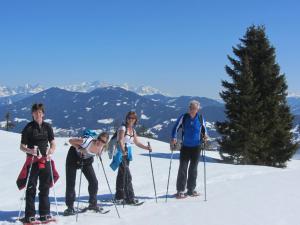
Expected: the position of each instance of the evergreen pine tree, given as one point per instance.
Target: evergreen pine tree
(259, 122)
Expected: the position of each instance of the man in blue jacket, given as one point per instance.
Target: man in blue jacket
(193, 134)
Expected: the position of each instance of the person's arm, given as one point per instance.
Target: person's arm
(76, 142)
(51, 140)
(24, 143)
(139, 144)
(175, 130)
(52, 148)
(25, 149)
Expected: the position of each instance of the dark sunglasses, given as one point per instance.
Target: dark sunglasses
(131, 118)
(104, 142)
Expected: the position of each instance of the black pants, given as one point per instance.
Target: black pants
(44, 176)
(124, 188)
(188, 155)
(73, 163)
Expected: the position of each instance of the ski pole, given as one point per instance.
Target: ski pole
(204, 170)
(169, 175)
(124, 179)
(26, 184)
(108, 185)
(53, 185)
(79, 190)
(152, 172)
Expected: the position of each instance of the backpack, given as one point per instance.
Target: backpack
(89, 133)
(113, 142)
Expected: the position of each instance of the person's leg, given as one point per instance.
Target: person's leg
(31, 191)
(193, 169)
(71, 169)
(120, 182)
(90, 175)
(129, 192)
(44, 185)
(182, 171)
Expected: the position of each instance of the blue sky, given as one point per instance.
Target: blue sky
(179, 47)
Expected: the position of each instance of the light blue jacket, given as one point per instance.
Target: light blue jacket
(118, 157)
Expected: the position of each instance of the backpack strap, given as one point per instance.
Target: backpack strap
(185, 116)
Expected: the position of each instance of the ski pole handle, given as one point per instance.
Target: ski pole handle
(149, 147)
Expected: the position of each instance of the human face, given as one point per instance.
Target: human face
(38, 116)
(131, 120)
(102, 141)
(193, 109)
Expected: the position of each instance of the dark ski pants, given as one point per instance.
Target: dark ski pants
(189, 158)
(73, 163)
(124, 188)
(44, 176)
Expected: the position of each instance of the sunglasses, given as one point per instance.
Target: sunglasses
(101, 140)
(131, 118)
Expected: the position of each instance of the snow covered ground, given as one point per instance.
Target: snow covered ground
(237, 195)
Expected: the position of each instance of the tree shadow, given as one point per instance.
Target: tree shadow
(176, 157)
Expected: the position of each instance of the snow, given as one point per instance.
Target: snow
(19, 120)
(171, 106)
(173, 120)
(144, 117)
(3, 123)
(118, 104)
(210, 125)
(91, 99)
(106, 121)
(237, 194)
(155, 100)
(88, 109)
(158, 127)
(105, 103)
(48, 121)
(27, 88)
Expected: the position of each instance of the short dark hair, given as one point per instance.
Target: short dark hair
(37, 106)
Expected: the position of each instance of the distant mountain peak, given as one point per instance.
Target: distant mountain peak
(23, 89)
(294, 94)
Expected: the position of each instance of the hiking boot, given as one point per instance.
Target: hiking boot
(94, 207)
(69, 211)
(180, 195)
(192, 193)
(132, 201)
(119, 201)
(46, 218)
(30, 219)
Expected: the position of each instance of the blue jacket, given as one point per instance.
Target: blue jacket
(117, 159)
(192, 130)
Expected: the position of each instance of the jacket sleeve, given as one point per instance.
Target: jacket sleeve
(176, 127)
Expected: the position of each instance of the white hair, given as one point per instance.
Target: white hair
(194, 103)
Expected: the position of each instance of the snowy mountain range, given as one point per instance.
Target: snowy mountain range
(105, 108)
(73, 108)
(29, 89)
